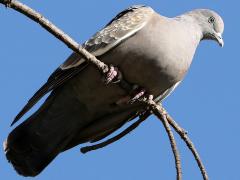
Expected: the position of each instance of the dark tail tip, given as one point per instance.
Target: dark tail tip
(19, 161)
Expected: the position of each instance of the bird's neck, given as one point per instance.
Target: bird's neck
(192, 28)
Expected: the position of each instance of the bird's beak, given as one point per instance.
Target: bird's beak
(219, 39)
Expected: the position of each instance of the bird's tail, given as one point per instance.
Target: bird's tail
(32, 145)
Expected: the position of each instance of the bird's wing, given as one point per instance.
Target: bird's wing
(123, 26)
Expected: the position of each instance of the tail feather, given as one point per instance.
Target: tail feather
(32, 145)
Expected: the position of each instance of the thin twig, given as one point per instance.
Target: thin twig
(161, 114)
(117, 137)
(54, 30)
(189, 143)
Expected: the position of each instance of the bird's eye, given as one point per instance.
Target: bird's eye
(211, 20)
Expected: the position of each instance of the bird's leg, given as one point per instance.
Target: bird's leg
(113, 75)
(137, 93)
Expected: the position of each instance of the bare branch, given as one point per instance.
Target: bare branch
(162, 115)
(54, 30)
(189, 143)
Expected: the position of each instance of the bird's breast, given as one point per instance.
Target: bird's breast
(156, 57)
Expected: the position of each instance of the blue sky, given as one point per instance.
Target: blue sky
(206, 104)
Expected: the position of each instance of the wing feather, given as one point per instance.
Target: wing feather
(54, 81)
(123, 26)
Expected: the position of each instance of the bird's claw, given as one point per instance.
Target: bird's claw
(113, 75)
(137, 95)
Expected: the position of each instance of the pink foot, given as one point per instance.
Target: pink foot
(113, 75)
(138, 94)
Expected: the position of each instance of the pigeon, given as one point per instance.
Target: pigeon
(151, 51)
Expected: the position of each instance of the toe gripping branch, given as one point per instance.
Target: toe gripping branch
(114, 75)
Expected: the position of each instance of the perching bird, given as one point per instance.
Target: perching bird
(151, 51)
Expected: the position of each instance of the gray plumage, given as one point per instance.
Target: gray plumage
(150, 50)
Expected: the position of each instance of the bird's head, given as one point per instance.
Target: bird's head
(211, 24)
